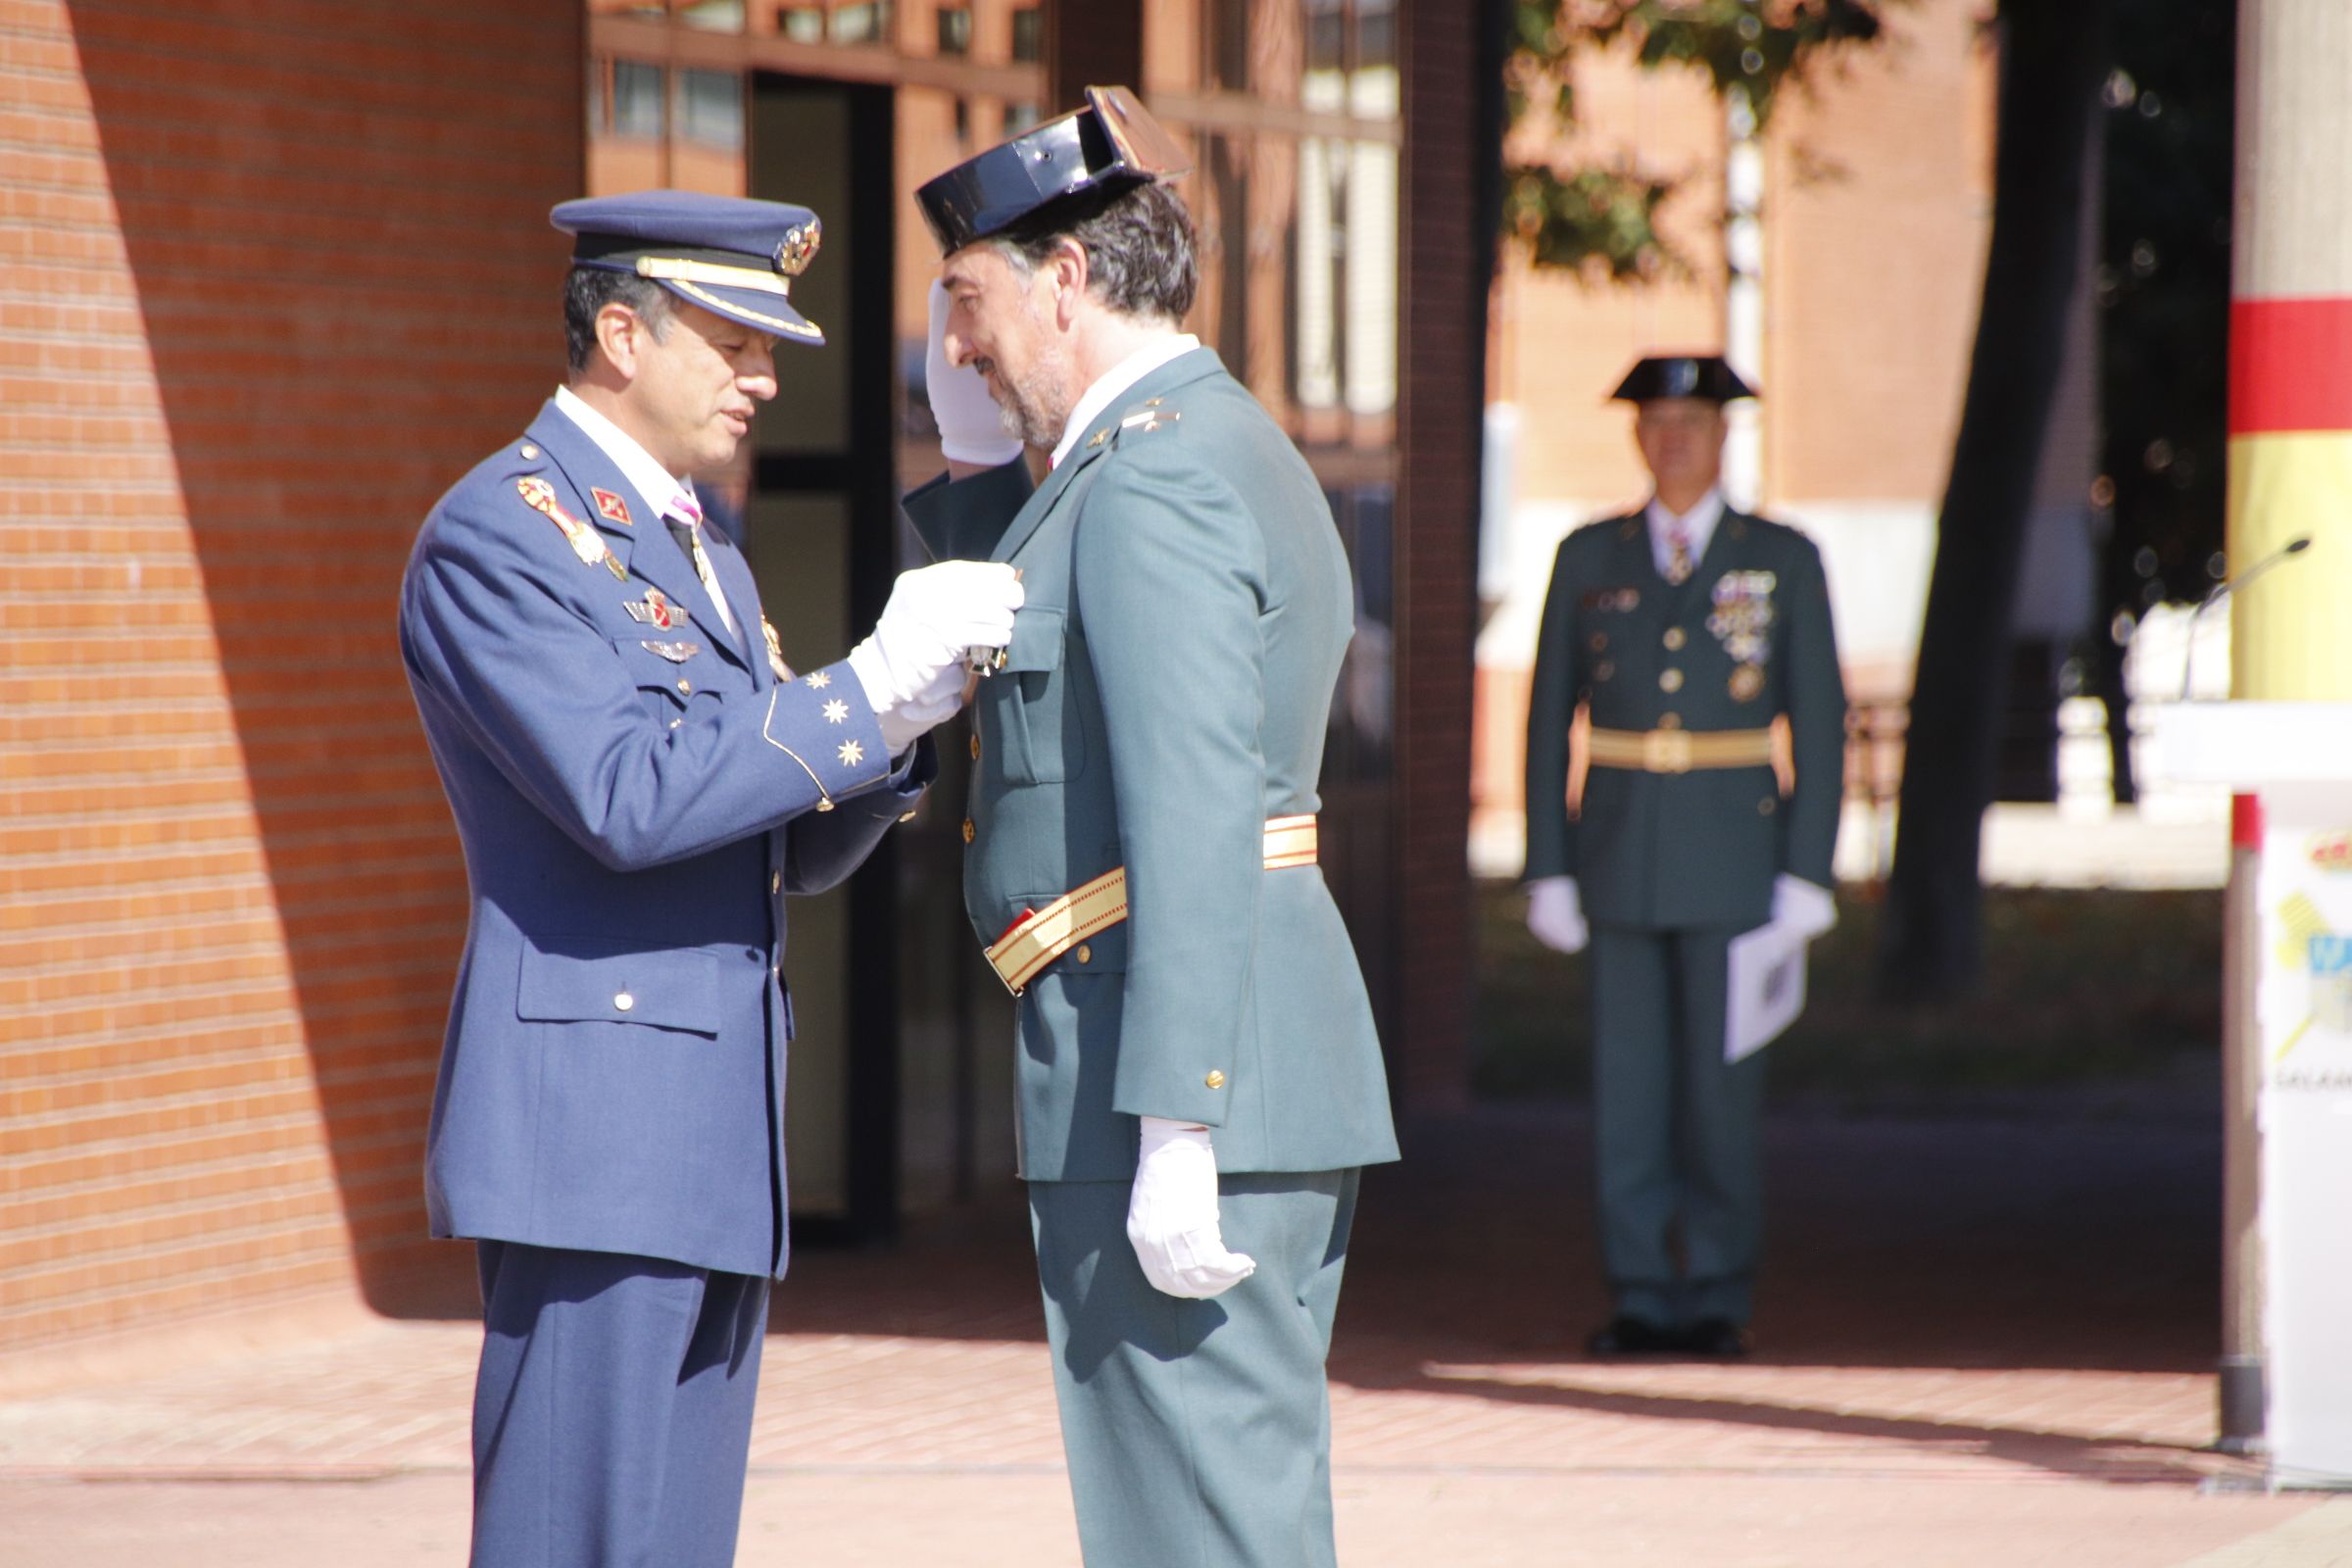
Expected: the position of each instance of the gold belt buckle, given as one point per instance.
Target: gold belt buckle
(1666, 750)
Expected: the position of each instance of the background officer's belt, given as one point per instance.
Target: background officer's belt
(1679, 751)
(1038, 939)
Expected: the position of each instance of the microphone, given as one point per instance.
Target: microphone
(2222, 590)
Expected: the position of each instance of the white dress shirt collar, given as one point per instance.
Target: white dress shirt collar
(1699, 526)
(654, 485)
(1117, 379)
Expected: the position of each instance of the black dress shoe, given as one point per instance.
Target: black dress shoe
(1631, 1336)
(1716, 1337)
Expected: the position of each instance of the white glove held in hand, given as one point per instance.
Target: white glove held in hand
(1555, 914)
(1803, 908)
(971, 429)
(934, 614)
(1172, 1213)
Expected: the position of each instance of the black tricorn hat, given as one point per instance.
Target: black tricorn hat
(1113, 144)
(1682, 375)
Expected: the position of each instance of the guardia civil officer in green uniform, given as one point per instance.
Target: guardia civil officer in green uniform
(1199, 1079)
(1684, 630)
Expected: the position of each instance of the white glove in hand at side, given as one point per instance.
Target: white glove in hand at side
(913, 665)
(971, 428)
(1555, 914)
(1172, 1213)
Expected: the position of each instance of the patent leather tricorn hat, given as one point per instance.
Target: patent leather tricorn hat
(1704, 376)
(1113, 144)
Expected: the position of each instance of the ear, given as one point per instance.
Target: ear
(1070, 273)
(619, 331)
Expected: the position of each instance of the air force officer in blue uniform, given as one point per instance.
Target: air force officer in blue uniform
(638, 779)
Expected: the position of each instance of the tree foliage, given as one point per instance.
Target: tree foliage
(1600, 221)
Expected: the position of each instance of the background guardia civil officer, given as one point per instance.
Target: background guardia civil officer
(1198, 1078)
(638, 781)
(1684, 630)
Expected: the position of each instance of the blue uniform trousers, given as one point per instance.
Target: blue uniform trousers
(1676, 1128)
(1199, 1433)
(613, 1413)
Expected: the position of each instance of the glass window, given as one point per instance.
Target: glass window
(954, 29)
(802, 24)
(1326, 35)
(861, 24)
(1375, 33)
(711, 108)
(1029, 34)
(638, 92)
(711, 15)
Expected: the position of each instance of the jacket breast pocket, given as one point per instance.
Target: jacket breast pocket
(1032, 721)
(584, 980)
(669, 690)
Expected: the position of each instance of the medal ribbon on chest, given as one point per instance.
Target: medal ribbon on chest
(586, 543)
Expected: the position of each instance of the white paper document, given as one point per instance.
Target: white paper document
(1767, 988)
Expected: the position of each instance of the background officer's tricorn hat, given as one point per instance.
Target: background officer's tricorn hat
(729, 255)
(1113, 144)
(1682, 375)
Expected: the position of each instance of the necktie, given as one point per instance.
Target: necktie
(685, 521)
(1678, 552)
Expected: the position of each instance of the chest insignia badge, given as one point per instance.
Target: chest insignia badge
(655, 608)
(611, 508)
(675, 653)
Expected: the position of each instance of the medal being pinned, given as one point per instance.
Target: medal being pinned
(775, 650)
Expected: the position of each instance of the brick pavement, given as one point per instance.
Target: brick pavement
(1982, 1342)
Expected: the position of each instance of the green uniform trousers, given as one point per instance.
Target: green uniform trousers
(1199, 1433)
(1680, 1172)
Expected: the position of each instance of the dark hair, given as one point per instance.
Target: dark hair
(589, 289)
(1138, 242)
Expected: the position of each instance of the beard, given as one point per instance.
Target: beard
(1035, 407)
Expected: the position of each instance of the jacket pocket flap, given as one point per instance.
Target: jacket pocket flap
(572, 981)
(1036, 641)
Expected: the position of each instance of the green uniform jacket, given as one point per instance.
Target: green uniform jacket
(1746, 638)
(1166, 691)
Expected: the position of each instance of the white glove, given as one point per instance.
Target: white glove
(971, 428)
(934, 614)
(1172, 1213)
(934, 705)
(1803, 908)
(1555, 914)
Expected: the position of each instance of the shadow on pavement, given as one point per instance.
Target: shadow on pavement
(2056, 1240)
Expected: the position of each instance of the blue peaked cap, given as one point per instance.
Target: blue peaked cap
(727, 254)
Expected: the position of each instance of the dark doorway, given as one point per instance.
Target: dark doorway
(821, 534)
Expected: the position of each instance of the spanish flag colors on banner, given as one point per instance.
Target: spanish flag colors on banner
(2291, 473)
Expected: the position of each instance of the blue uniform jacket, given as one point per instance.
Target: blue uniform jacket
(636, 792)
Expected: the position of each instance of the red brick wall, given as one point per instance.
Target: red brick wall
(275, 272)
(1443, 369)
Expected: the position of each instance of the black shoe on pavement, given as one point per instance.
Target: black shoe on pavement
(1717, 1336)
(1631, 1336)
